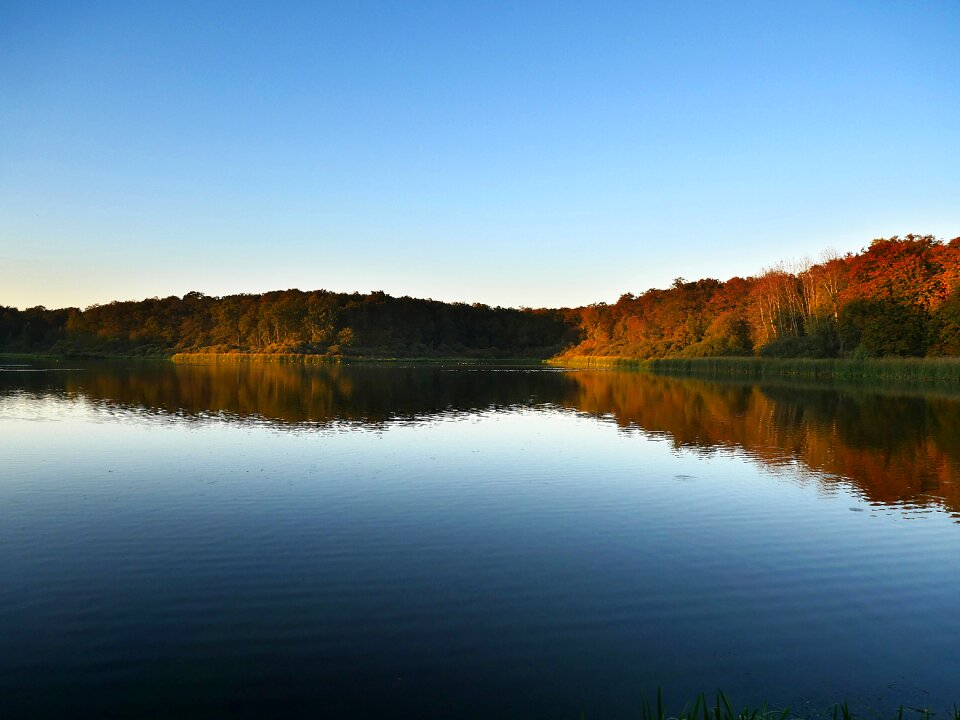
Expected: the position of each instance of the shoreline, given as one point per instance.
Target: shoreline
(891, 369)
(917, 370)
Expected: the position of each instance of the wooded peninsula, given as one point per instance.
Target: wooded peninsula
(899, 297)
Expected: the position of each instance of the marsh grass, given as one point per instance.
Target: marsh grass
(722, 709)
(312, 359)
(944, 371)
(282, 358)
(598, 361)
(702, 709)
(910, 370)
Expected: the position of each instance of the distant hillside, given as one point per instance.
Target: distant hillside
(899, 296)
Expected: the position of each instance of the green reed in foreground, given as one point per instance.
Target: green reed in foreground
(722, 709)
(702, 709)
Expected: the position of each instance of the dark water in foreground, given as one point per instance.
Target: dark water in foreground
(456, 542)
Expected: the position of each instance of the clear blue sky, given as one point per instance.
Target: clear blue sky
(519, 153)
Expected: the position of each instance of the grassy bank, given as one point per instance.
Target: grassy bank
(597, 361)
(901, 370)
(908, 370)
(306, 359)
(281, 358)
(912, 371)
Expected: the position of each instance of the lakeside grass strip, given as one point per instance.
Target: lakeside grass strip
(944, 371)
(912, 370)
(920, 371)
(312, 359)
(281, 358)
(598, 361)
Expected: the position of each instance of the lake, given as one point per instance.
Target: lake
(469, 542)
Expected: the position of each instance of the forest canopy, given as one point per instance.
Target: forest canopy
(897, 297)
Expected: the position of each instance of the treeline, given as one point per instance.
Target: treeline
(899, 297)
(290, 321)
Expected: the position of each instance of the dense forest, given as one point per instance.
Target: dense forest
(898, 297)
(289, 321)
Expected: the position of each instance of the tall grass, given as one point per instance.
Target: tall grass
(598, 361)
(283, 358)
(202, 358)
(914, 370)
(702, 709)
(722, 709)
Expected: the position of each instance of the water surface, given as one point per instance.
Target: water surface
(468, 541)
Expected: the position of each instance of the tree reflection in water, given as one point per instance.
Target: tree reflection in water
(895, 447)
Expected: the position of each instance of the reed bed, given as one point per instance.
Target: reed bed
(912, 370)
(702, 709)
(598, 361)
(226, 358)
(312, 359)
(722, 709)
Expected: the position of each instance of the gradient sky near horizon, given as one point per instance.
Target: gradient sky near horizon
(522, 153)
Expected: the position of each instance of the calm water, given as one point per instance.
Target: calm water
(462, 542)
